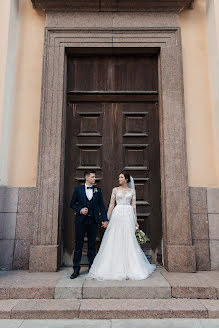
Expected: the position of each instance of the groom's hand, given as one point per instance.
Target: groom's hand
(104, 224)
(84, 211)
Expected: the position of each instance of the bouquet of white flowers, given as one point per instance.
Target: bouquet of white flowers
(141, 236)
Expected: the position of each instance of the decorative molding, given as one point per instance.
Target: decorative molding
(114, 5)
(59, 42)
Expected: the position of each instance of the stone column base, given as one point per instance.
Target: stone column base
(180, 258)
(44, 258)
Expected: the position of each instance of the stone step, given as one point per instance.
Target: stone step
(108, 308)
(160, 285)
(156, 286)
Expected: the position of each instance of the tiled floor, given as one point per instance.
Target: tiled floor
(125, 323)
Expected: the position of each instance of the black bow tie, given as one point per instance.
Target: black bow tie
(89, 187)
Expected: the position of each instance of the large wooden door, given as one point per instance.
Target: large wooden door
(110, 133)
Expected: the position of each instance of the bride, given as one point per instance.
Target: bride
(120, 257)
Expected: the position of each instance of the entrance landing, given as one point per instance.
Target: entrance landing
(162, 295)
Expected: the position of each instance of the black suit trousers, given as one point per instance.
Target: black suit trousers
(88, 226)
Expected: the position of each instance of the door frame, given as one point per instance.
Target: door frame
(178, 252)
(114, 97)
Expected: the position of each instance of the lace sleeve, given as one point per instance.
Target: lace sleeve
(134, 204)
(112, 203)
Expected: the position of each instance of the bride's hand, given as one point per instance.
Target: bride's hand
(137, 225)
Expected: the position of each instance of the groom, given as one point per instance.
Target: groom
(87, 201)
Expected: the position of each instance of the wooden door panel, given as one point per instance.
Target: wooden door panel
(113, 73)
(111, 137)
(140, 153)
(113, 125)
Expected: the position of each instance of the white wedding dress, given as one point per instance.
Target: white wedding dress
(120, 257)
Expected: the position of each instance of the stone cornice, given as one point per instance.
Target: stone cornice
(113, 5)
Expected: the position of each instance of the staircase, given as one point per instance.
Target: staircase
(25, 295)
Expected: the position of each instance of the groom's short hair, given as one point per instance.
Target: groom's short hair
(88, 172)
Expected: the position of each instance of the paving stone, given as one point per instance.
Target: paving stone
(70, 288)
(158, 323)
(76, 323)
(212, 307)
(159, 308)
(114, 323)
(5, 308)
(10, 323)
(22, 284)
(209, 323)
(45, 309)
(156, 286)
(191, 285)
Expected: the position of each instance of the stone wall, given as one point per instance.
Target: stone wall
(205, 226)
(16, 226)
(213, 218)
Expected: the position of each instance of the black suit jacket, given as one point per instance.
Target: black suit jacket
(79, 201)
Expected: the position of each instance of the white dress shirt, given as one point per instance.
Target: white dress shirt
(89, 192)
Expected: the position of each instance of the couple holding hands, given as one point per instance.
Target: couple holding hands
(119, 257)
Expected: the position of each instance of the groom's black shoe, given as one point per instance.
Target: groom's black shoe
(74, 275)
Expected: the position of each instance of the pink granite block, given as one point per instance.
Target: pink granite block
(46, 309)
(194, 292)
(213, 308)
(4, 293)
(31, 292)
(24, 227)
(190, 285)
(181, 258)
(154, 308)
(26, 199)
(6, 307)
(21, 254)
(211, 278)
(22, 284)
(43, 258)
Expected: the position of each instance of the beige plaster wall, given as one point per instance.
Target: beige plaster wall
(200, 136)
(4, 25)
(25, 130)
(212, 16)
(201, 146)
